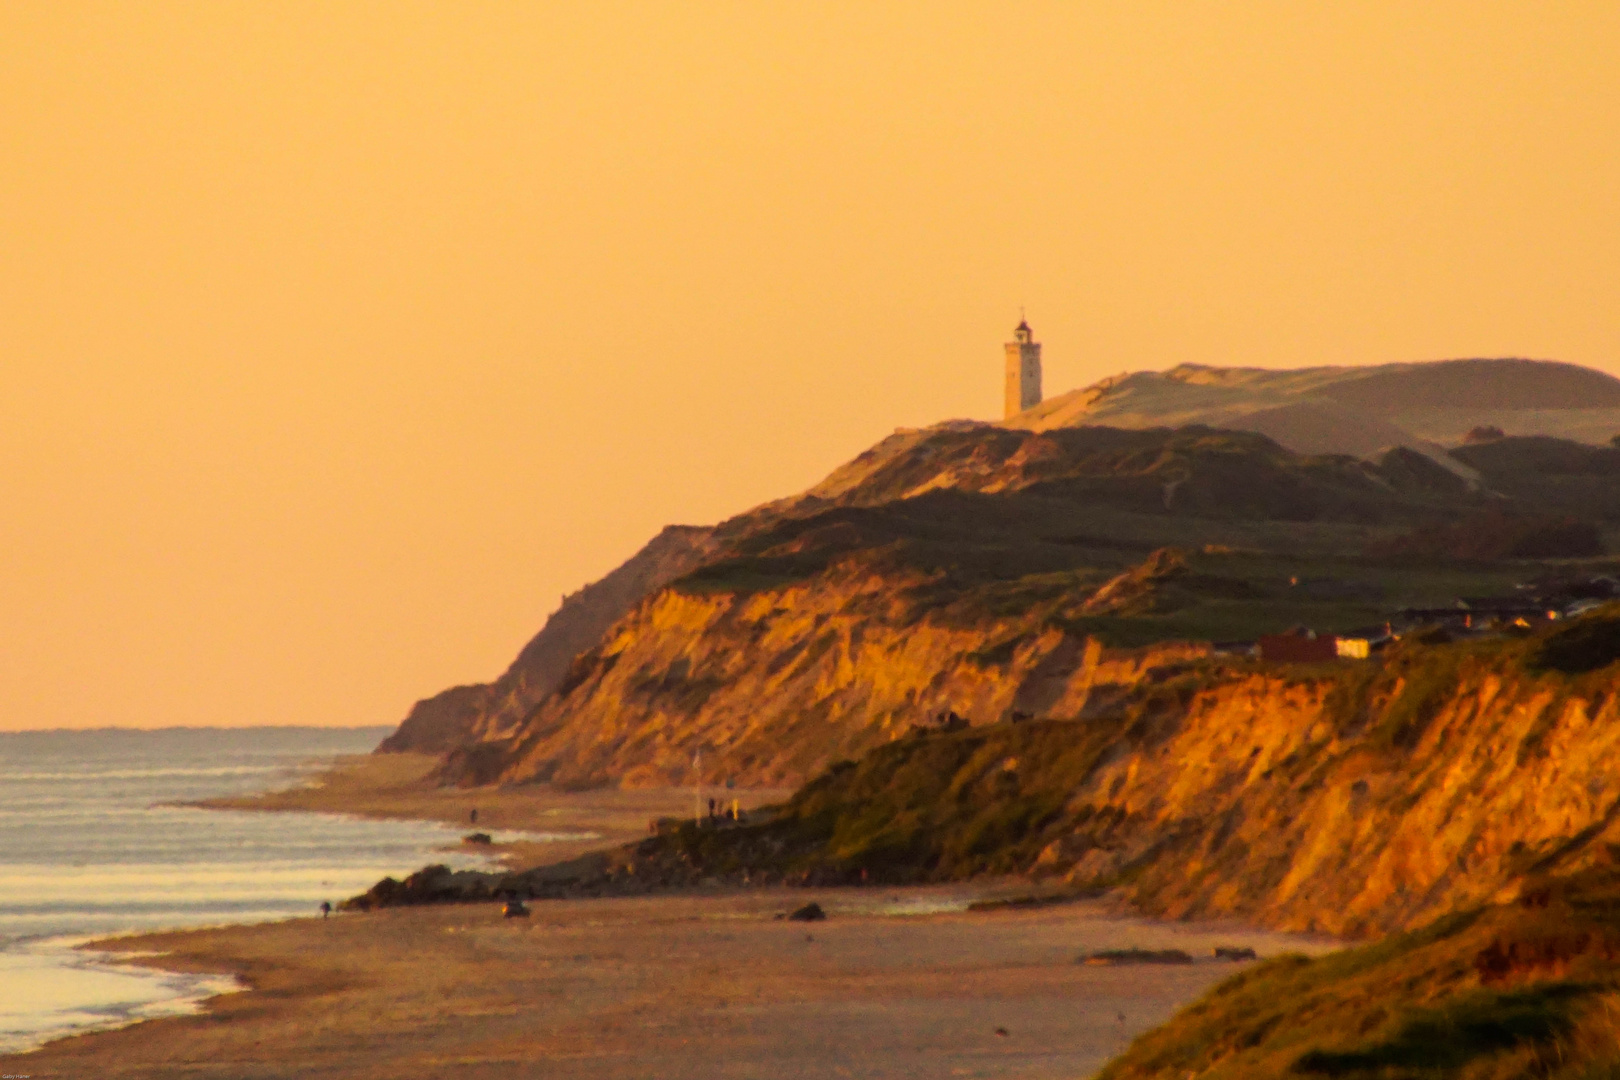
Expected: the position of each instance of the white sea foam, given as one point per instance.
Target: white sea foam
(144, 774)
(49, 989)
(907, 905)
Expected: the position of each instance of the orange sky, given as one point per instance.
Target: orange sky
(338, 340)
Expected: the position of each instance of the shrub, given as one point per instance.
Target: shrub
(1494, 535)
(1585, 644)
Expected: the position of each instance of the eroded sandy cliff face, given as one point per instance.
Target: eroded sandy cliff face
(1010, 503)
(1347, 798)
(951, 570)
(1354, 802)
(774, 685)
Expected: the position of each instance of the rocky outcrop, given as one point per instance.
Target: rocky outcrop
(587, 876)
(466, 714)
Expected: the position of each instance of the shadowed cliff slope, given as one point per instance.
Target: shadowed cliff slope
(1554, 475)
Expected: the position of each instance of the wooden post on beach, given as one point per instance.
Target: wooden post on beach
(697, 788)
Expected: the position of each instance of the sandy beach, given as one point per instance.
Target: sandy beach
(707, 984)
(699, 986)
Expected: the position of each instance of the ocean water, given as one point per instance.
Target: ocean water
(89, 848)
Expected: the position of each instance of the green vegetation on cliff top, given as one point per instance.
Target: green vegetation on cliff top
(988, 522)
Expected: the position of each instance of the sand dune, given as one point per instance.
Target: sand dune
(1353, 410)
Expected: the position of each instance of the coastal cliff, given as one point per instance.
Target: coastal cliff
(1354, 801)
(986, 651)
(1351, 799)
(1338, 799)
(967, 570)
(775, 685)
(971, 568)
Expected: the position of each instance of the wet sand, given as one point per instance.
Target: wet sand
(395, 786)
(707, 987)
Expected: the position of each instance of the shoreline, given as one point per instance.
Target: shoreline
(700, 983)
(79, 979)
(695, 982)
(100, 987)
(395, 787)
(95, 989)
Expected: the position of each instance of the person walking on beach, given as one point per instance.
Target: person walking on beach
(326, 909)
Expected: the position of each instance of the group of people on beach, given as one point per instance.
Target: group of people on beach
(721, 812)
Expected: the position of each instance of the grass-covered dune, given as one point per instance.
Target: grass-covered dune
(1524, 989)
(929, 807)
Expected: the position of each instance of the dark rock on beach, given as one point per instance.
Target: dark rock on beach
(1137, 956)
(1234, 952)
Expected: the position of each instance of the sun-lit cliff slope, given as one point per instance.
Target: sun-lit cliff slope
(1344, 798)
(1061, 595)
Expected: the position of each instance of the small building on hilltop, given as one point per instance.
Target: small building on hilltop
(1023, 371)
(1352, 648)
(1299, 646)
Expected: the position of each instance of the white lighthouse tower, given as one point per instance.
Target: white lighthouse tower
(1023, 371)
